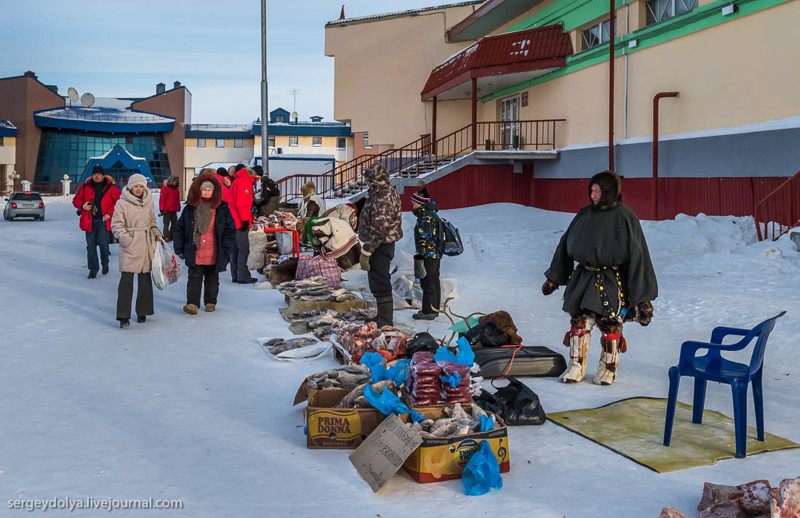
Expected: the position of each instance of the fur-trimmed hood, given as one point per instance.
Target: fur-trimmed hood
(193, 198)
(611, 187)
(308, 188)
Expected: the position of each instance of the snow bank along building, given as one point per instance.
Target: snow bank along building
(508, 100)
(45, 135)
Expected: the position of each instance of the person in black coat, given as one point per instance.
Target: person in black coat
(203, 238)
(614, 280)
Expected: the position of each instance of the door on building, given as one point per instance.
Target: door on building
(509, 128)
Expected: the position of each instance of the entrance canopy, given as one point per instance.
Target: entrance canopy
(119, 164)
(499, 62)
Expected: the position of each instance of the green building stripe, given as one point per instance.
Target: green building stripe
(699, 19)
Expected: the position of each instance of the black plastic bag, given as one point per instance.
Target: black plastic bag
(421, 342)
(487, 334)
(516, 403)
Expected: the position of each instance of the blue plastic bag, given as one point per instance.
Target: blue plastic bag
(465, 354)
(398, 372)
(376, 365)
(487, 423)
(387, 403)
(451, 379)
(482, 472)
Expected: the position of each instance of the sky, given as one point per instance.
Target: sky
(123, 49)
(192, 408)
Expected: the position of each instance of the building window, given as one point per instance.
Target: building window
(596, 35)
(293, 141)
(1, 142)
(660, 10)
(271, 141)
(280, 118)
(237, 142)
(366, 141)
(341, 143)
(316, 141)
(201, 142)
(220, 142)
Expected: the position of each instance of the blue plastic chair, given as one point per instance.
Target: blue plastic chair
(713, 367)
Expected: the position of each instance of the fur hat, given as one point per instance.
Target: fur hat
(611, 188)
(193, 198)
(222, 172)
(421, 196)
(308, 188)
(137, 179)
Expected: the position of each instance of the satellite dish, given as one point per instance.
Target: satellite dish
(72, 94)
(87, 100)
(294, 115)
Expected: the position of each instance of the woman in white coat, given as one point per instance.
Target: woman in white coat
(134, 225)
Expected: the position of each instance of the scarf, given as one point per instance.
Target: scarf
(202, 218)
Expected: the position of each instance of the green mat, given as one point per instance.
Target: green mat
(634, 428)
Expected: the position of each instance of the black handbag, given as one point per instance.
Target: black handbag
(421, 342)
(487, 334)
(516, 403)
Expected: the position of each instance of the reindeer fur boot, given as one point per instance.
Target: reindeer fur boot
(578, 340)
(609, 359)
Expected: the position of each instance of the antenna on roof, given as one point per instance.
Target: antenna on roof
(73, 95)
(87, 100)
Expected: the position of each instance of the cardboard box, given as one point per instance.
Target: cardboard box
(444, 458)
(337, 428)
(297, 305)
(304, 392)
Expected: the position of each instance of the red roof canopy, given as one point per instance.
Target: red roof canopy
(501, 61)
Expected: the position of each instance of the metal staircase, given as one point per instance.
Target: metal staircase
(779, 212)
(424, 156)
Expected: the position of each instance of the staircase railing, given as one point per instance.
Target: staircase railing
(423, 153)
(779, 211)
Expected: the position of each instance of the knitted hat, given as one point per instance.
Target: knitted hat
(206, 185)
(421, 196)
(137, 179)
(98, 169)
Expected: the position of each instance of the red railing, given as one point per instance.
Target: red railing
(779, 211)
(423, 154)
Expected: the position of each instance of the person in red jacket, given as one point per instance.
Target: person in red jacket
(169, 204)
(241, 205)
(95, 201)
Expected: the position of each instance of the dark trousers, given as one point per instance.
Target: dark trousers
(242, 252)
(380, 280)
(431, 287)
(98, 237)
(144, 295)
(233, 257)
(170, 220)
(202, 274)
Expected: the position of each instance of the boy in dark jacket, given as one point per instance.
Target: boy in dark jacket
(204, 237)
(427, 257)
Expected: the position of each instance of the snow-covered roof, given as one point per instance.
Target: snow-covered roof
(105, 109)
(401, 13)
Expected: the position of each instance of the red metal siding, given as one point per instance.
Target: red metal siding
(482, 184)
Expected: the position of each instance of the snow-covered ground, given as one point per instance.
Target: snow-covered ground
(189, 408)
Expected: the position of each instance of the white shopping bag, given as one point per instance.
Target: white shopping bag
(166, 268)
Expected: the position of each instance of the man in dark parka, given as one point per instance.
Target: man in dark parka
(613, 280)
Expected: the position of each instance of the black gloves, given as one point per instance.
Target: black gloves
(548, 287)
(644, 313)
(245, 226)
(419, 269)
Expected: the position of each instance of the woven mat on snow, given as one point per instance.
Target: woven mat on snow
(634, 428)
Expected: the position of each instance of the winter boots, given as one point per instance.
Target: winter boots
(578, 340)
(385, 311)
(609, 359)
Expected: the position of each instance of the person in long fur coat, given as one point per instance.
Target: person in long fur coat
(614, 280)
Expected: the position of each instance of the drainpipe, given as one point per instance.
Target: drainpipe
(475, 113)
(433, 128)
(657, 97)
(612, 13)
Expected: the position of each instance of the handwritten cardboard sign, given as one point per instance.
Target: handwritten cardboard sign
(384, 451)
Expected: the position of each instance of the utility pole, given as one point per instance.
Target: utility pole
(264, 110)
